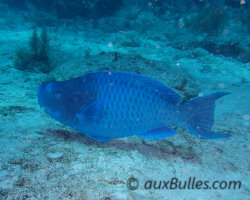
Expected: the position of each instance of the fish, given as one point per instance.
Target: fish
(111, 104)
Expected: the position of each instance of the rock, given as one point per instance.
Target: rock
(17, 161)
(199, 52)
(111, 24)
(159, 70)
(21, 182)
(236, 46)
(55, 155)
(3, 193)
(143, 22)
(128, 39)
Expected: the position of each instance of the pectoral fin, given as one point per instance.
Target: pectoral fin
(159, 133)
(90, 113)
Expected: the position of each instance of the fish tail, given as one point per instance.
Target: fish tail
(197, 115)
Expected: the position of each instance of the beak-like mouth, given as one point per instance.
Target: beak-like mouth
(47, 111)
(39, 95)
(52, 113)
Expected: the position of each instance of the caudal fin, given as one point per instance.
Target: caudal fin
(198, 115)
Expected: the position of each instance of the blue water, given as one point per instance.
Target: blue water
(193, 47)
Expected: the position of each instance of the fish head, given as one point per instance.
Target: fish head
(51, 98)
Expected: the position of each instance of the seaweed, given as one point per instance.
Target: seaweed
(44, 46)
(33, 44)
(35, 57)
(22, 58)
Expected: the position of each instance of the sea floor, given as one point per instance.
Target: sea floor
(43, 159)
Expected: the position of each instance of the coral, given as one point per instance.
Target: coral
(111, 24)
(129, 39)
(106, 8)
(36, 56)
(17, 4)
(70, 9)
(177, 6)
(236, 46)
(143, 22)
(247, 18)
(210, 20)
(233, 3)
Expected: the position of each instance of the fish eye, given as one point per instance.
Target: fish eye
(49, 87)
(58, 96)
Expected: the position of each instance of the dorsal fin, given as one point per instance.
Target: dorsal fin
(158, 133)
(163, 89)
(148, 82)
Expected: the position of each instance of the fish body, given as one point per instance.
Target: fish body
(110, 104)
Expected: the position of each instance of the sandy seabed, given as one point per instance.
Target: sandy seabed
(42, 159)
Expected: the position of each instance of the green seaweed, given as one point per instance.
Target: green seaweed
(34, 44)
(35, 57)
(22, 58)
(44, 46)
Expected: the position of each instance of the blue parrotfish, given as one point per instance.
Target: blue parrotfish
(109, 104)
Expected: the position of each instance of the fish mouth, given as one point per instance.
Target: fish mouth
(40, 95)
(47, 111)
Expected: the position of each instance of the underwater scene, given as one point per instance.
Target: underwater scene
(125, 99)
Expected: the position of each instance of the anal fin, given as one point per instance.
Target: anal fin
(159, 133)
(99, 138)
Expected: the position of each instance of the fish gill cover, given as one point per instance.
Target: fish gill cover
(156, 68)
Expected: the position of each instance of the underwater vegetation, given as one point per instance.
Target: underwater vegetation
(35, 57)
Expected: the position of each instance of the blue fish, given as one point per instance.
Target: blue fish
(110, 104)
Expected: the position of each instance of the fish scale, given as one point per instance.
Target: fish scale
(123, 98)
